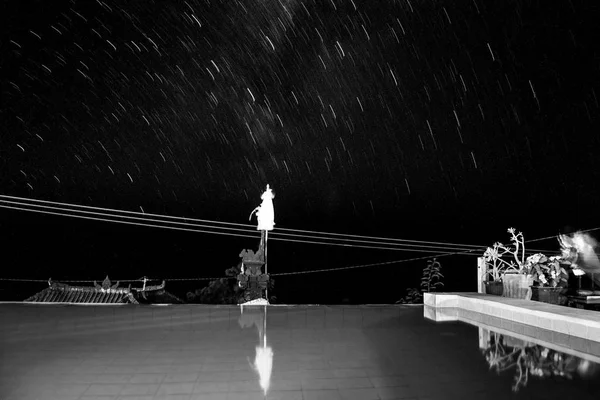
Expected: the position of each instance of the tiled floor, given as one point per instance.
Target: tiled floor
(190, 352)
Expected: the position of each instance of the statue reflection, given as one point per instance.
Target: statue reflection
(253, 315)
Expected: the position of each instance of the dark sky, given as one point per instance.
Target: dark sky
(438, 120)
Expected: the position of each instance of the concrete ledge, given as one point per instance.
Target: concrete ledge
(440, 300)
(580, 323)
(582, 348)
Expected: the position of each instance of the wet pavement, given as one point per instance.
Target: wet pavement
(195, 352)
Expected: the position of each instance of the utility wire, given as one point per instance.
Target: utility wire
(418, 250)
(407, 246)
(231, 234)
(233, 277)
(248, 226)
(370, 244)
(290, 273)
(554, 236)
(276, 235)
(406, 260)
(252, 233)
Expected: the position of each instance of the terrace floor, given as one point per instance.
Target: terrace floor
(193, 352)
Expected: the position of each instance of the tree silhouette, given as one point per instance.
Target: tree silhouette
(224, 290)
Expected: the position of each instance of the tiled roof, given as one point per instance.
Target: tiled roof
(59, 293)
(106, 293)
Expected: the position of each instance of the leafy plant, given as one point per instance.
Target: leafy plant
(546, 271)
(226, 290)
(432, 277)
(497, 265)
(413, 296)
(431, 280)
(218, 291)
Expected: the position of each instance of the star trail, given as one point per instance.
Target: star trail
(386, 111)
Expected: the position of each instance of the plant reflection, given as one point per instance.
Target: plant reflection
(505, 353)
(263, 360)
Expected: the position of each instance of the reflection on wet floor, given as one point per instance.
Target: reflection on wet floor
(253, 352)
(508, 354)
(578, 346)
(263, 361)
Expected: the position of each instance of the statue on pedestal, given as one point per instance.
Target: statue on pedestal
(252, 278)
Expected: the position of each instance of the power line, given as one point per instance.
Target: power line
(219, 233)
(248, 226)
(195, 230)
(122, 222)
(554, 236)
(405, 247)
(24, 199)
(71, 213)
(291, 273)
(81, 281)
(251, 232)
(144, 217)
(233, 277)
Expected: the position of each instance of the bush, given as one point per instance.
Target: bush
(431, 280)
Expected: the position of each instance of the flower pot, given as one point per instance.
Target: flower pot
(493, 287)
(516, 343)
(549, 295)
(517, 286)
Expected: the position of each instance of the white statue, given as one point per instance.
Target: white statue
(265, 213)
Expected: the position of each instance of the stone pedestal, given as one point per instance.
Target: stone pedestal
(252, 278)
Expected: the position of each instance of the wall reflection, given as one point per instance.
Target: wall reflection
(253, 315)
(525, 359)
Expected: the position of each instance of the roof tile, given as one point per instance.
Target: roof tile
(105, 294)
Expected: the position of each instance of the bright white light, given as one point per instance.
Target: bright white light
(265, 213)
(263, 364)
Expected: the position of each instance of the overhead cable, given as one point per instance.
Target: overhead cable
(192, 222)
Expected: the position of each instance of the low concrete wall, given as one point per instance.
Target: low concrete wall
(580, 323)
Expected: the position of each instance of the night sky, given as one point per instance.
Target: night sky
(447, 121)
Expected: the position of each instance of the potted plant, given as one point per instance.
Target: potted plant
(494, 264)
(549, 277)
(515, 279)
